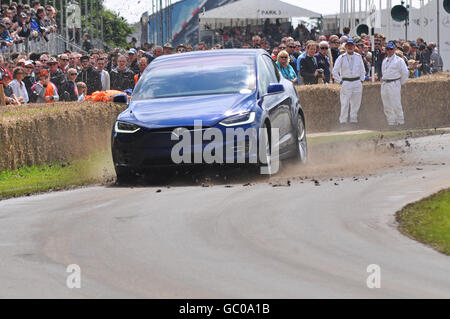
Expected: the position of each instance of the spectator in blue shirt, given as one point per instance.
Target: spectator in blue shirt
(5, 37)
(285, 68)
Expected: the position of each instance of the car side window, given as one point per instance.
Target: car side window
(273, 69)
(264, 76)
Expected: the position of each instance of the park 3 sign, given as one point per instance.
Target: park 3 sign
(263, 13)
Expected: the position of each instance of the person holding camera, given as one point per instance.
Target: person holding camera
(10, 98)
(349, 71)
(309, 69)
(39, 24)
(323, 61)
(5, 37)
(24, 29)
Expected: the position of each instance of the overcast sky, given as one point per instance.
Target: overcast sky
(132, 10)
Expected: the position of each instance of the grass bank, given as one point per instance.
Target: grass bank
(428, 221)
(60, 175)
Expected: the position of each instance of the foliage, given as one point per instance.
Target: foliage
(428, 221)
(115, 28)
(40, 178)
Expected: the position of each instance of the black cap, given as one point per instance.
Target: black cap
(422, 47)
(84, 57)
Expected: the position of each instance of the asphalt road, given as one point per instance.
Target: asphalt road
(257, 241)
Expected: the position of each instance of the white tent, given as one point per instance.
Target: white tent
(257, 9)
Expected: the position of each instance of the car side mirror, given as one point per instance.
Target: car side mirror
(120, 98)
(275, 88)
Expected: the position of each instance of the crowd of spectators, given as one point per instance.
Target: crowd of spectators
(313, 62)
(270, 34)
(71, 76)
(20, 22)
(420, 57)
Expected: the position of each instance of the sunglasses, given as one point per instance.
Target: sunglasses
(323, 48)
(29, 67)
(72, 74)
(292, 47)
(336, 42)
(64, 59)
(390, 49)
(282, 48)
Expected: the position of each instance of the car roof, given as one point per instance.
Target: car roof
(211, 53)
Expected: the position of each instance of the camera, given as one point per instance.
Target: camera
(320, 71)
(42, 30)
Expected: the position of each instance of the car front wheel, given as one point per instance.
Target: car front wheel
(301, 143)
(124, 175)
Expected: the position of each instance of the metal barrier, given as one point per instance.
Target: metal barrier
(55, 45)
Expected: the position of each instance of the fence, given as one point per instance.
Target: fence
(56, 44)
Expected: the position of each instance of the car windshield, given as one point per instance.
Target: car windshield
(197, 76)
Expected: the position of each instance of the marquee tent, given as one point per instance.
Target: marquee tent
(257, 9)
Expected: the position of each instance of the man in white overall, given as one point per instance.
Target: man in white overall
(395, 74)
(349, 71)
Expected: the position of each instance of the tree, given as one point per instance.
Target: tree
(115, 28)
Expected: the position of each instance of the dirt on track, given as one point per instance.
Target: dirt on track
(359, 159)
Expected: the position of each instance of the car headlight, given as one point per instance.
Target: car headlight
(124, 127)
(239, 119)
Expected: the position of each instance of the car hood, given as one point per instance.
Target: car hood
(183, 111)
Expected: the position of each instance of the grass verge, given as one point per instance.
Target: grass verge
(428, 221)
(60, 175)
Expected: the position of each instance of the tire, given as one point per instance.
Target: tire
(301, 147)
(124, 175)
(265, 159)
